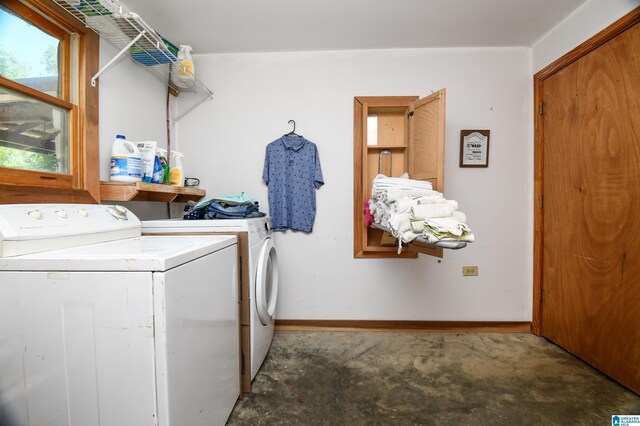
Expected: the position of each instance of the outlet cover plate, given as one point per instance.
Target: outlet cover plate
(469, 271)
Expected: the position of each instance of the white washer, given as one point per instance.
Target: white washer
(263, 283)
(128, 331)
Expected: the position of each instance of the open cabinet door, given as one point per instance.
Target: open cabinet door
(426, 149)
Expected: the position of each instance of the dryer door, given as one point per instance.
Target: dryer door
(267, 282)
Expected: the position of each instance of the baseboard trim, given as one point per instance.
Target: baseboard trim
(385, 325)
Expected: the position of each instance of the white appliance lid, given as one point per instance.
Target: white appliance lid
(146, 253)
(203, 225)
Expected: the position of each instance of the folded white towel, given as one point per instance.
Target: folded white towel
(448, 225)
(409, 236)
(382, 184)
(417, 226)
(399, 224)
(431, 199)
(384, 218)
(459, 216)
(372, 206)
(432, 238)
(384, 181)
(453, 204)
(424, 211)
(378, 210)
(403, 205)
(392, 195)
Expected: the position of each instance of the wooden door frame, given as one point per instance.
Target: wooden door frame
(621, 25)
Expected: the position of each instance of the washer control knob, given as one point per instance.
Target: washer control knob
(83, 213)
(123, 212)
(118, 212)
(62, 213)
(35, 214)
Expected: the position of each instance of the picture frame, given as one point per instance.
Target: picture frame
(474, 148)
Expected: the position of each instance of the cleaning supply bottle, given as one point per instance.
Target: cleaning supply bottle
(185, 76)
(158, 170)
(177, 173)
(162, 156)
(126, 164)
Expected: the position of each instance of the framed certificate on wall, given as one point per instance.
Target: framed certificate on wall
(474, 148)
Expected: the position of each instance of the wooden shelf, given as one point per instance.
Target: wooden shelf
(142, 191)
(386, 146)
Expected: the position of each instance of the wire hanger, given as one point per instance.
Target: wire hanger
(293, 132)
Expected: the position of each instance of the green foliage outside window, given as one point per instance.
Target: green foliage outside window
(19, 159)
(10, 67)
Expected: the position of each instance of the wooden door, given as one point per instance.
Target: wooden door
(426, 141)
(426, 150)
(590, 133)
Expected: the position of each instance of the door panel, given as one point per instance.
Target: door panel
(77, 348)
(591, 188)
(426, 150)
(267, 282)
(426, 144)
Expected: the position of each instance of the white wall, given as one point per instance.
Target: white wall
(256, 94)
(132, 103)
(586, 21)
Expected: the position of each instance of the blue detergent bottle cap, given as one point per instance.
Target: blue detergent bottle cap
(120, 137)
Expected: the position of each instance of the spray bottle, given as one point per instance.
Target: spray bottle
(177, 173)
(158, 170)
(185, 77)
(162, 157)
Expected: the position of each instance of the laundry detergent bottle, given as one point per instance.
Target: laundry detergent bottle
(177, 173)
(185, 77)
(126, 164)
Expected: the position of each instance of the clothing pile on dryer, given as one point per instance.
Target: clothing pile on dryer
(224, 207)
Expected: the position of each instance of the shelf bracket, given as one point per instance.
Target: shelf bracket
(115, 58)
(208, 96)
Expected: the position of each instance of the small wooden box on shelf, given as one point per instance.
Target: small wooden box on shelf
(143, 191)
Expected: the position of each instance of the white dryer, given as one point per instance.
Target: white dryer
(262, 282)
(102, 326)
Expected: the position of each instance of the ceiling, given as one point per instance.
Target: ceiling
(223, 26)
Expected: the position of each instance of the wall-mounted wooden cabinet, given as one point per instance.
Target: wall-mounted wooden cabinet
(394, 135)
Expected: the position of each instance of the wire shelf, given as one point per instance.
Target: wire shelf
(132, 36)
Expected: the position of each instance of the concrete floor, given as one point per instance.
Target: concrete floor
(393, 378)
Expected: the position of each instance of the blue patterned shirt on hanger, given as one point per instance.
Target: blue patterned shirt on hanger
(292, 172)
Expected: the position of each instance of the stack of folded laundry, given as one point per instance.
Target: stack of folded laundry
(411, 208)
(225, 207)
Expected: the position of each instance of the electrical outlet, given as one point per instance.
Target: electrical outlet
(469, 271)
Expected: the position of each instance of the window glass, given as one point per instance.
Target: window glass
(33, 134)
(28, 55)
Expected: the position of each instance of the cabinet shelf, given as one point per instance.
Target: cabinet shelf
(132, 36)
(374, 147)
(142, 191)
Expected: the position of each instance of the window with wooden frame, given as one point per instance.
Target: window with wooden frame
(48, 109)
